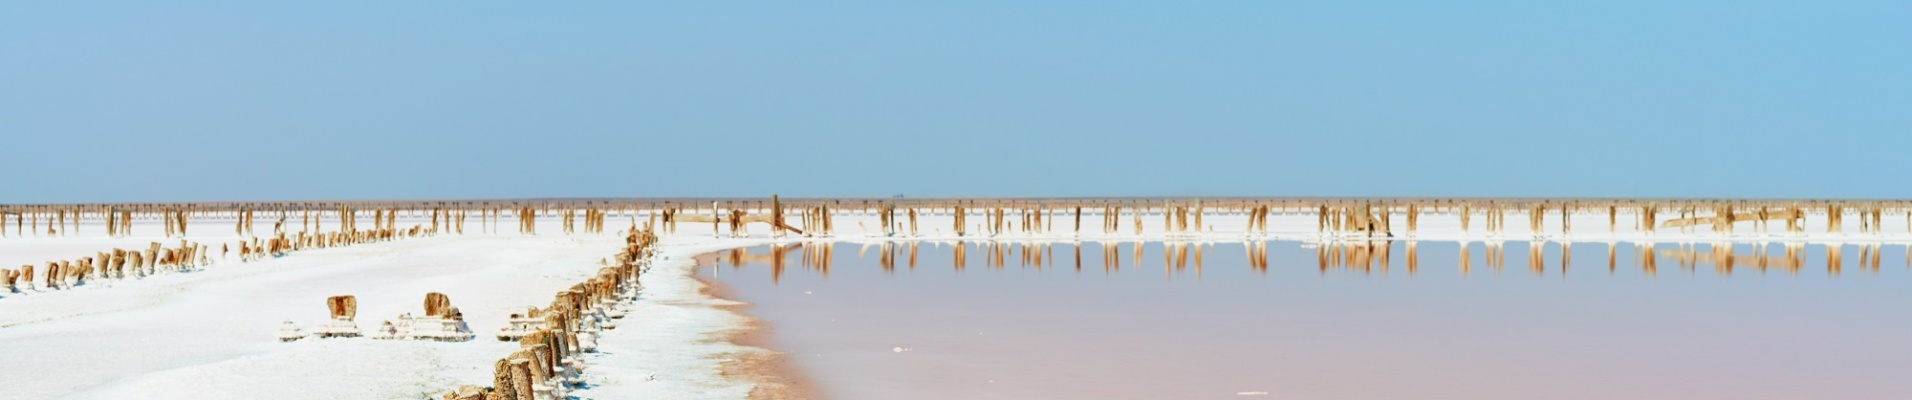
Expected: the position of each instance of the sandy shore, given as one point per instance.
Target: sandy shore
(774, 377)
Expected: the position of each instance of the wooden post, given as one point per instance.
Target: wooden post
(1413, 226)
(777, 217)
(1138, 232)
(1198, 215)
(1566, 220)
(1466, 215)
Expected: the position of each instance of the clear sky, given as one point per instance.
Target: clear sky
(256, 100)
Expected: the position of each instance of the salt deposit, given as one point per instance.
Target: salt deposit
(211, 325)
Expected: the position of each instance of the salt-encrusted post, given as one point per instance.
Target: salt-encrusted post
(1566, 218)
(777, 217)
(1413, 226)
(1466, 216)
(958, 215)
(1198, 214)
(1138, 227)
(1413, 257)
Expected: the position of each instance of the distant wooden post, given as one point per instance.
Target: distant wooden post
(1566, 219)
(1138, 232)
(1466, 216)
(1078, 232)
(777, 217)
(958, 215)
(1413, 225)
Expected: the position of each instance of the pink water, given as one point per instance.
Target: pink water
(1307, 325)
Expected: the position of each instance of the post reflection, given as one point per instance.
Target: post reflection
(1352, 257)
(958, 252)
(1566, 257)
(1366, 257)
(1413, 257)
(1535, 264)
(1467, 263)
(1725, 259)
(1612, 265)
(1258, 256)
(1078, 257)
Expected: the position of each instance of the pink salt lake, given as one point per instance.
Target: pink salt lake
(872, 322)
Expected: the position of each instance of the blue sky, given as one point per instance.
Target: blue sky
(195, 100)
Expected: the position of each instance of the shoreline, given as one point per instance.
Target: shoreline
(770, 372)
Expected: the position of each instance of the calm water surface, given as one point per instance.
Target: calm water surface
(1283, 321)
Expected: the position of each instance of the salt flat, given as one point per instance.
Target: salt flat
(208, 334)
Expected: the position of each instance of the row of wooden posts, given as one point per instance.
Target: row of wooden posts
(1374, 256)
(549, 358)
(1369, 219)
(115, 264)
(176, 221)
(120, 263)
(1360, 256)
(817, 256)
(1364, 256)
(816, 217)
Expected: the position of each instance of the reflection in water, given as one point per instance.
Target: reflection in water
(1466, 262)
(1834, 261)
(998, 254)
(1138, 247)
(1363, 256)
(1111, 258)
(1649, 264)
(1340, 329)
(1724, 259)
(1496, 255)
(960, 253)
(1566, 257)
(1535, 264)
(1258, 256)
(1413, 257)
(1611, 267)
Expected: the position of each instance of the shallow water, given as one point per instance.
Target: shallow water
(1279, 320)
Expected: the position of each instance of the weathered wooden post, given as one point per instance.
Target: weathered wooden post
(1835, 258)
(777, 211)
(1387, 220)
(1566, 218)
(958, 215)
(1413, 226)
(1199, 210)
(1466, 215)
(1648, 218)
(1833, 218)
(1138, 231)
(1566, 256)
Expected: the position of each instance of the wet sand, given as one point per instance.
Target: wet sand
(774, 376)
